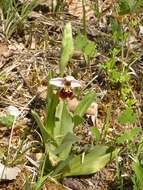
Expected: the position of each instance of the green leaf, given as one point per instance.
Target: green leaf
(77, 120)
(52, 102)
(116, 30)
(39, 184)
(139, 5)
(62, 166)
(27, 185)
(90, 49)
(115, 25)
(138, 169)
(127, 116)
(118, 76)
(7, 120)
(27, 8)
(96, 133)
(54, 159)
(93, 161)
(84, 104)
(81, 42)
(128, 135)
(87, 47)
(63, 123)
(46, 136)
(65, 147)
(130, 6)
(67, 47)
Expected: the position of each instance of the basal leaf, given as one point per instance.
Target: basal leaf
(63, 123)
(93, 161)
(54, 159)
(65, 147)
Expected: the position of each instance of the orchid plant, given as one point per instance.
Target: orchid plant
(57, 129)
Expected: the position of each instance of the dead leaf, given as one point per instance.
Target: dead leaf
(54, 186)
(34, 15)
(33, 43)
(4, 50)
(8, 173)
(16, 47)
(107, 5)
(75, 8)
(141, 30)
(42, 91)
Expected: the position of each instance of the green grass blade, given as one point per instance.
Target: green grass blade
(40, 183)
(138, 169)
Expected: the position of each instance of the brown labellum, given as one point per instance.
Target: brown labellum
(65, 94)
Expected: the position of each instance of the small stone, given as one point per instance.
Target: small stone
(12, 110)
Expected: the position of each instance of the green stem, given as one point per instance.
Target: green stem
(84, 17)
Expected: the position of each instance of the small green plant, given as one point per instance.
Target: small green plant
(129, 6)
(14, 15)
(87, 47)
(7, 120)
(118, 74)
(129, 140)
(128, 116)
(58, 138)
(57, 129)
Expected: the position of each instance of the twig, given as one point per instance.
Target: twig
(90, 82)
(14, 122)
